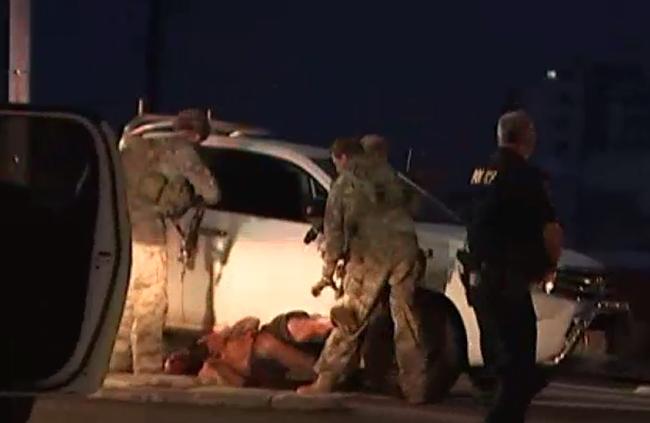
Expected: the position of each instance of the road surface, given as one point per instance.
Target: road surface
(558, 403)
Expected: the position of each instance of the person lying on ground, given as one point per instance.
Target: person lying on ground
(278, 354)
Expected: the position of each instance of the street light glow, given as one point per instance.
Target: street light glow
(551, 74)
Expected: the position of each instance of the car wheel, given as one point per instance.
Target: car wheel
(627, 336)
(444, 335)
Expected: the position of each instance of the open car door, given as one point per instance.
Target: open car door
(66, 259)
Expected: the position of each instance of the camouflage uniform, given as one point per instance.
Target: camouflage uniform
(162, 176)
(365, 216)
(379, 161)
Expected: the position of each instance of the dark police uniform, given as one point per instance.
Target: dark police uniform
(505, 236)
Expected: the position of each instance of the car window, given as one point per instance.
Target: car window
(259, 185)
(49, 188)
(429, 208)
(327, 165)
(319, 192)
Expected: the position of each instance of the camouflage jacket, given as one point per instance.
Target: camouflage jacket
(162, 177)
(410, 195)
(367, 216)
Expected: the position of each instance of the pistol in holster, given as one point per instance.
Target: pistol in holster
(470, 274)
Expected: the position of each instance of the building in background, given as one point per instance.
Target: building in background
(593, 122)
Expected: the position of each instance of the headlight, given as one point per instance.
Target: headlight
(579, 284)
(549, 286)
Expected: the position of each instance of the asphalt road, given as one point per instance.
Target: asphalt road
(560, 402)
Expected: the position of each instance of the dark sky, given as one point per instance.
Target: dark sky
(431, 77)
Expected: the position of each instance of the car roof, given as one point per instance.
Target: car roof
(266, 146)
(253, 139)
(230, 135)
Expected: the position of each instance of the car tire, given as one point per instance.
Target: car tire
(627, 336)
(444, 335)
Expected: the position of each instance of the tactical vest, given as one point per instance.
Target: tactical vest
(168, 192)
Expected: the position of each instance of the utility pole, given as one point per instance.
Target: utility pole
(19, 51)
(14, 152)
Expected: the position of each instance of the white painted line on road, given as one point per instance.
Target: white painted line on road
(588, 388)
(594, 405)
(630, 399)
(643, 390)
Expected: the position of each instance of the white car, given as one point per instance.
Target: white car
(252, 260)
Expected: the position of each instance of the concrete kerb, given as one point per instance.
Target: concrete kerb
(643, 390)
(291, 401)
(187, 390)
(128, 381)
(241, 398)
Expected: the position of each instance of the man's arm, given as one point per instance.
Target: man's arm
(552, 231)
(191, 166)
(270, 347)
(218, 372)
(553, 240)
(333, 227)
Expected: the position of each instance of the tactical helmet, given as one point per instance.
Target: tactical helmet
(193, 120)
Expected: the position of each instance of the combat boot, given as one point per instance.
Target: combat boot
(324, 384)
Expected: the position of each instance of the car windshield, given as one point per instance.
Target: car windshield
(430, 210)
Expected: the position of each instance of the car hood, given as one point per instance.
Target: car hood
(572, 259)
(431, 235)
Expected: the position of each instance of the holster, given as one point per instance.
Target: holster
(470, 274)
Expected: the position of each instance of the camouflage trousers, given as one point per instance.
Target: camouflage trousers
(363, 286)
(139, 343)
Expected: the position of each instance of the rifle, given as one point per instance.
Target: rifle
(317, 229)
(190, 239)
